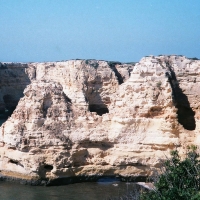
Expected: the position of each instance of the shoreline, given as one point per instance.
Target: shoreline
(71, 180)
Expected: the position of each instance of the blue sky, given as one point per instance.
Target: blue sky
(115, 30)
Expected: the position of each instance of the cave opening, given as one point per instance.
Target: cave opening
(100, 110)
(46, 104)
(48, 167)
(43, 169)
(13, 161)
(8, 107)
(10, 104)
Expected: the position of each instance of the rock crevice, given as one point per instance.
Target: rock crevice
(185, 114)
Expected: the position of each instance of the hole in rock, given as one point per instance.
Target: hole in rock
(46, 104)
(14, 162)
(10, 104)
(48, 167)
(7, 107)
(100, 110)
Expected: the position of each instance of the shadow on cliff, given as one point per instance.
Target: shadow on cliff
(99, 108)
(94, 99)
(185, 113)
(12, 86)
(92, 94)
(117, 74)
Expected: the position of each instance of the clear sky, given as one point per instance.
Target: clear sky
(115, 30)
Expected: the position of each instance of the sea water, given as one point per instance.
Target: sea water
(103, 189)
(77, 191)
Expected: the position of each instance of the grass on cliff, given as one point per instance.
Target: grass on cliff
(179, 179)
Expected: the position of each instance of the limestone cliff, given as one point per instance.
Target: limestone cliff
(88, 117)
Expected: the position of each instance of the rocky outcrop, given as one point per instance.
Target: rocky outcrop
(13, 80)
(96, 118)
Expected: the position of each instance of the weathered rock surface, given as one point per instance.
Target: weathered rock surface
(88, 117)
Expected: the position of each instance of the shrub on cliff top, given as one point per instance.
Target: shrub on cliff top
(179, 180)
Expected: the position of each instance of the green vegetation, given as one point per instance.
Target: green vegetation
(180, 179)
(194, 58)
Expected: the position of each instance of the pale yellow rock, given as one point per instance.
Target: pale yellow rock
(88, 117)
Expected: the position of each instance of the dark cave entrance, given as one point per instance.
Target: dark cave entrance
(48, 167)
(43, 169)
(100, 110)
(94, 99)
(47, 104)
(9, 106)
(14, 162)
(10, 103)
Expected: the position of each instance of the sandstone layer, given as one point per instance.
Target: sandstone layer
(96, 118)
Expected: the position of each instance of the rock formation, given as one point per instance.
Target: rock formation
(95, 118)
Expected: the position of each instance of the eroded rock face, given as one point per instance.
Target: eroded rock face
(88, 117)
(13, 80)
